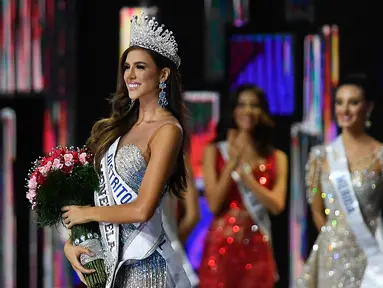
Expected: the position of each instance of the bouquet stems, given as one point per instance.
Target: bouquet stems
(98, 278)
(85, 234)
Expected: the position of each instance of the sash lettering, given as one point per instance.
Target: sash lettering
(161, 244)
(108, 230)
(346, 194)
(121, 192)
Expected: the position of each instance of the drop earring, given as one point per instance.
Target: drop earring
(368, 122)
(162, 97)
(131, 104)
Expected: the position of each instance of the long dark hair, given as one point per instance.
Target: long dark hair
(122, 118)
(263, 135)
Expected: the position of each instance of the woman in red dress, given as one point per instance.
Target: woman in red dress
(245, 179)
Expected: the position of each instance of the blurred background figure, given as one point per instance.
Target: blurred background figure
(342, 252)
(245, 178)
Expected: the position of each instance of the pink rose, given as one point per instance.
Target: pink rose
(31, 195)
(57, 164)
(68, 158)
(48, 165)
(44, 171)
(82, 158)
(32, 183)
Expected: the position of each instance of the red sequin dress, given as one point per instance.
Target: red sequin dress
(236, 253)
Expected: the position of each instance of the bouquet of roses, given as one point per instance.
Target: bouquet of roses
(67, 177)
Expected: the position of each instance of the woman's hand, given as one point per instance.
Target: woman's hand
(244, 169)
(234, 155)
(72, 253)
(75, 215)
(235, 148)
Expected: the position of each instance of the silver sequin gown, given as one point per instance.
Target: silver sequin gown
(336, 259)
(150, 272)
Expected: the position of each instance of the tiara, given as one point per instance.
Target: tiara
(145, 33)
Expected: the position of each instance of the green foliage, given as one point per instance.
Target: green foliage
(61, 189)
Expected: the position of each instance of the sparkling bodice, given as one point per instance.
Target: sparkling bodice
(336, 259)
(131, 166)
(150, 272)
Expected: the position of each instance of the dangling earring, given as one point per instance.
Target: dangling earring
(368, 122)
(131, 104)
(162, 98)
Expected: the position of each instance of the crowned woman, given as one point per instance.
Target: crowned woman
(139, 155)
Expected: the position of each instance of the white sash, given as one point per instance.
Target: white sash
(257, 210)
(341, 180)
(147, 238)
(171, 228)
(109, 231)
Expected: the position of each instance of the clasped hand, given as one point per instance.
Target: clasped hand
(237, 143)
(74, 215)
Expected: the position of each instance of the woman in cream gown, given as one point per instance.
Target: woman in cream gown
(337, 258)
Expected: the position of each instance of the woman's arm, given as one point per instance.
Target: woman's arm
(317, 209)
(217, 187)
(274, 199)
(164, 148)
(192, 214)
(314, 188)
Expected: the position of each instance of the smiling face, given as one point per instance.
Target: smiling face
(351, 107)
(247, 113)
(141, 74)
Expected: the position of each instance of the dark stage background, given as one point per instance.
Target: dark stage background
(98, 53)
(91, 77)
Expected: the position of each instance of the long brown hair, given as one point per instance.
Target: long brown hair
(123, 117)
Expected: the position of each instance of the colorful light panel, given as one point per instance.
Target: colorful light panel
(21, 64)
(266, 60)
(203, 115)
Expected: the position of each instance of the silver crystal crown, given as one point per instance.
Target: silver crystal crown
(146, 33)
